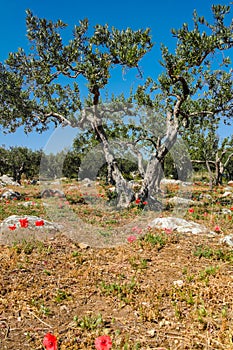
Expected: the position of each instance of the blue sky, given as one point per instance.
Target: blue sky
(160, 16)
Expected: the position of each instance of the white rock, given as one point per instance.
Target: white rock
(7, 180)
(226, 194)
(182, 201)
(151, 332)
(170, 182)
(10, 194)
(227, 240)
(228, 188)
(205, 196)
(226, 211)
(186, 183)
(83, 245)
(180, 225)
(178, 283)
(28, 204)
(14, 219)
(112, 189)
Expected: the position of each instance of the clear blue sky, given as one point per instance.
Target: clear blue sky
(160, 16)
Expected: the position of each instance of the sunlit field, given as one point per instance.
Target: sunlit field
(158, 289)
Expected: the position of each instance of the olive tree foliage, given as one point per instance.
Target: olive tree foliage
(195, 84)
(35, 75)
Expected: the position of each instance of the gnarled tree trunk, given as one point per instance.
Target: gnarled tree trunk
(155, 168)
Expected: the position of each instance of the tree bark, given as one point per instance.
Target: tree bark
(123, 189)
(155, 169)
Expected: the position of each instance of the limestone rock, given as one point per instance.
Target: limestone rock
(15, 220)
(6, 180)
(206, 196)
(228, 188)
(182, 201)
(226, 211)
(170, 182)
(228, 240)
(226, 194)
(180, 225)
(18, 228)
(10, 194)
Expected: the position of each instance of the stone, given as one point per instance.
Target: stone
(6, 180)
(14, 219)
(206, 196)
(47, 193)
(28, 204)
(34, 182)
(228, 240)
(226, 211)
(178, 283)
(151, 332)
(228, 188)
(170, 182)
(182, 201)
(186, 183)
(83, 245)
(10, 194)
(180, 225)
(34, 227)
(112, 189)
(226, 194)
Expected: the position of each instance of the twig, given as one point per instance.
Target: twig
(46, 324)
(7, 328)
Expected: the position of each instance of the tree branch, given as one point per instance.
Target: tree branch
(58, 116)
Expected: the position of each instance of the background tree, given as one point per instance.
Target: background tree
(223, 160)
(18, 161)
(3, 161)
(71, 164)
(206, 148)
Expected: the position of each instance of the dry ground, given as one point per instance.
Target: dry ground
(163, 291)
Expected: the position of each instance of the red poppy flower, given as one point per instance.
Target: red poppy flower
(217, 228)
(103, 342)
(50, 342)
(138, 201)
(191, 210)
(137, 229)
(131, 239)
(168, 231)
(145, 202)
(23, 222)
(39, 223)
(12, 227)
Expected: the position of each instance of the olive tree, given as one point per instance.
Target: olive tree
(196, 84)
(207, 149)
